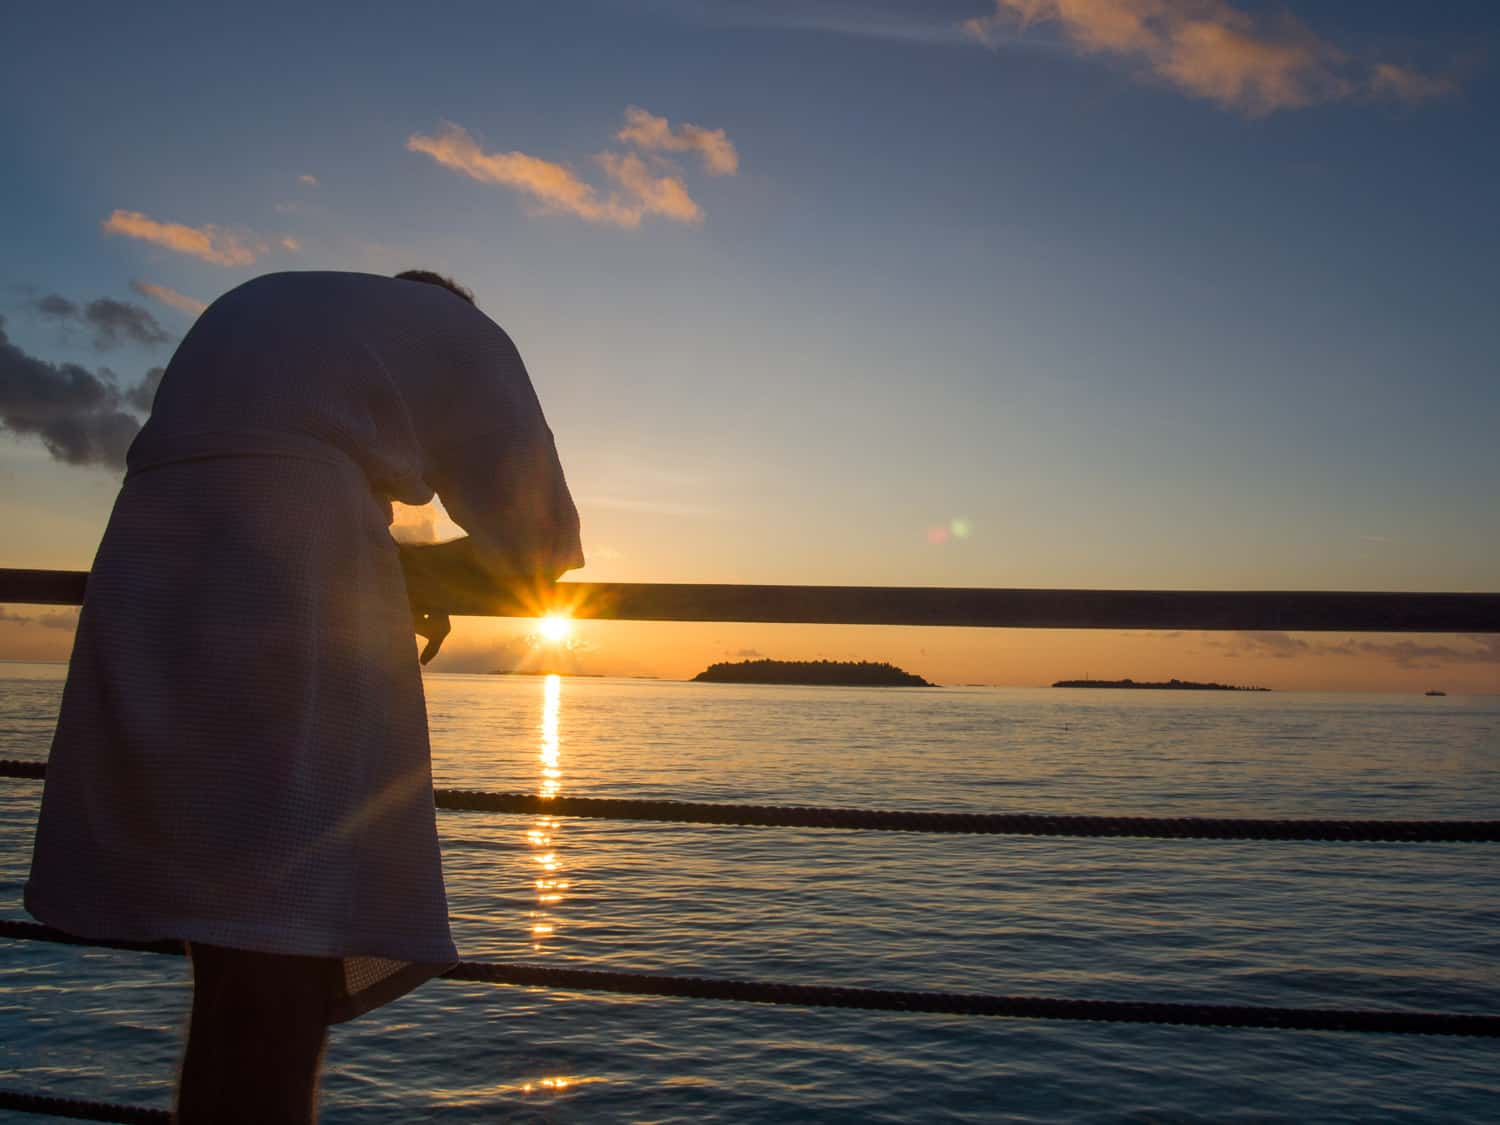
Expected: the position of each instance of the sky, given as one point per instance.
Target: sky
(1192, 294)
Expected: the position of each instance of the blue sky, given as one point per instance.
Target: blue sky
(1204, 299)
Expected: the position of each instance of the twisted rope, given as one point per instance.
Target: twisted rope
(82, 1110)
(1009, 824)
(896, 1000)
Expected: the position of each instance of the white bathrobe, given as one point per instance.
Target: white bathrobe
(241, 758)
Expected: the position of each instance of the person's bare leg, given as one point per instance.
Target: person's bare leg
(256, 1037)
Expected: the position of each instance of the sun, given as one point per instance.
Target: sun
(554, 627)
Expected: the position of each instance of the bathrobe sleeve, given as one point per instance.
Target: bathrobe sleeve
(502, 480)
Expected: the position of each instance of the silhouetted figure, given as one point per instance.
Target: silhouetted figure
(241, 759)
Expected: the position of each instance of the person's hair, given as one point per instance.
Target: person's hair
(436, 279)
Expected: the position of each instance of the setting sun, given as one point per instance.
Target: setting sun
(554, 627)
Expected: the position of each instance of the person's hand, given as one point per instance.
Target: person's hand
(434, 627)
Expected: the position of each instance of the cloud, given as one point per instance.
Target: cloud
(58, 306)
(925, 22)
(1213, 50)
(1414, 654)
(143, 395)
(309, 181)
(112, 322)
(207, 243)
(1404, 653)
(55, 619)
(650, 194)
(554, 186)
(516, 654)
(169, 297)
(1409, 86)
(655, 134)
(76, 413)
(1281, 646)
(557, 189)
(410, 524)
(289, 243)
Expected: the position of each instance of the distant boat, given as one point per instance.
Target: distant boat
(1434, 691)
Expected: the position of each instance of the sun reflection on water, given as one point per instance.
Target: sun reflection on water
(541, 838)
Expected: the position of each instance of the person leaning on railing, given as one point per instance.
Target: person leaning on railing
(241, 759)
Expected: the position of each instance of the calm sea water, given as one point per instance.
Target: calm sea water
(1378, 925)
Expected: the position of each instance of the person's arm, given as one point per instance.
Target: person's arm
(437, 571)
(431, 569)
(500, 479)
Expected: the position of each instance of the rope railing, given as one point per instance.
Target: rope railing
(989, 824)
(80, 1109)
(899, 1000)
(1284, 611)
(1251, 610)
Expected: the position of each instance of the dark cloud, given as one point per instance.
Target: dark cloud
(76, 413)
(57, 619)
(115, 321)
(143, 394)
(112, 322)
(1414, 654)
(53, 305)
(1282, 646)
(1404, 653)
(748, 653)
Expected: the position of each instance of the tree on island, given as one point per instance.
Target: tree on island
(846, 673)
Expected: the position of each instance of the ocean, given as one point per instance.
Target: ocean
(1302, 924)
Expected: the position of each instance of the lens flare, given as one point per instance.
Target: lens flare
(957, 528)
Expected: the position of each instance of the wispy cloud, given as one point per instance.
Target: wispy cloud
(112, 322)
(634, 189)
(169, 297)
(412, 524)
(1213, 50)
(923, 22)
(1414, 654)
(207, 243)
(53, 619)
(555, 187)
(647, 131)
(308, 181)
(1410, 86)
(1279, 646)
(1404, 653)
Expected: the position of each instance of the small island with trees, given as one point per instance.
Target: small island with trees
(843, 673)
(1157, 685)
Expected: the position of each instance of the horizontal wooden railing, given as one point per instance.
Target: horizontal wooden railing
(1251, 610)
